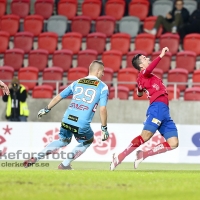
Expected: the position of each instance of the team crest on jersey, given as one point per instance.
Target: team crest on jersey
(89, 82)
(156, 86)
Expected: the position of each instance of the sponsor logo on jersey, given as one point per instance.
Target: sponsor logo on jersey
(73, 118)
(156, 121)
(73, 129)
(78, 107)
(89, 82)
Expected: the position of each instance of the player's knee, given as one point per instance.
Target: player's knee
(146, 135)
(88, 142)
(173, 142)
(65, 141)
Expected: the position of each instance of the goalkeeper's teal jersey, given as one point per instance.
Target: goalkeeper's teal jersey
(87, 93)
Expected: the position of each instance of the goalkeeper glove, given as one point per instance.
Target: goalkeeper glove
(104, 133)
(43, 111)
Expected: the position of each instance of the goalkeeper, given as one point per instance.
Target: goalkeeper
(87, 93)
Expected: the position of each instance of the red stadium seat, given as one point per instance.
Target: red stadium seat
(76, 73)
(27, 74)
(86, 57)
(145, 42)
(127, 75)
(105, 24)
(4, 41)
(33, 24)
(48, 41)
(130, 56)
(42, 91)
(122, 93)
(112, 59)
(135, 96)
(196, 78)
(115, 8)
(14, 58)
(171, 41)
(186, 60)
(96, 41)
(91, 8)
(44, 8)
(6, 74)
(173, 95)
(81, 24)
(192, 94)
(72, 41)
(121, 42)
(2, 7)
(24, 41)
(10, 24)
(63, 59)
(20, 7)
(67, 8)
(178, 75)
(38, 58)
(158, 72)
(52, 74)
(139, 8)
(61, 88)
(149, 23)
(165, 62)
(108, 76)
(191, 42)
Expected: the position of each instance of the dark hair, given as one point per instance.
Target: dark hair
(98, 61)
(178, 0)
(136, 61)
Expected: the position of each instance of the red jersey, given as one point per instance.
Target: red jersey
(151, 84)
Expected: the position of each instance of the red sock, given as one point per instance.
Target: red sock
(161, 148)
(135, 143)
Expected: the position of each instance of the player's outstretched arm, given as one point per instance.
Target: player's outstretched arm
(164, 50)
(52, 103)
(5, 88)
(103, 116)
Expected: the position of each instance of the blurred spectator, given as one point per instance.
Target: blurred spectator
(193, 25)
(173, 20)
(17, 109)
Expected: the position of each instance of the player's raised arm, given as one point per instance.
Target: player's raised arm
(163, 52)
(154, 63)
(4, 88)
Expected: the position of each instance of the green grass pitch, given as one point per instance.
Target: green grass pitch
(94, 181)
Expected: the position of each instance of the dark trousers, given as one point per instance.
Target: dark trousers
(187, 29)
(168, 25)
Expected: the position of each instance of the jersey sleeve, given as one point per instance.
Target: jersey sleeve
(151, 67)
(68, 91)
(104, 96)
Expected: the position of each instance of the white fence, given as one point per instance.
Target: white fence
(19, 140)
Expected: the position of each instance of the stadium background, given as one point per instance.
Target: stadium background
(93, 180)
(48, 45)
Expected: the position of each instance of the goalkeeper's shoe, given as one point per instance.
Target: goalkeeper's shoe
(62, 167)
(115, 162)
(139, 158)
(29, 162)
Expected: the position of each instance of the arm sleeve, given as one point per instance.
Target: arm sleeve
(67, 91)
(151, 67)
(23, 96)
(104, 96)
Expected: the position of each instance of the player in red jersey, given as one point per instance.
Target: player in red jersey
(157, 116)
(4, 88)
